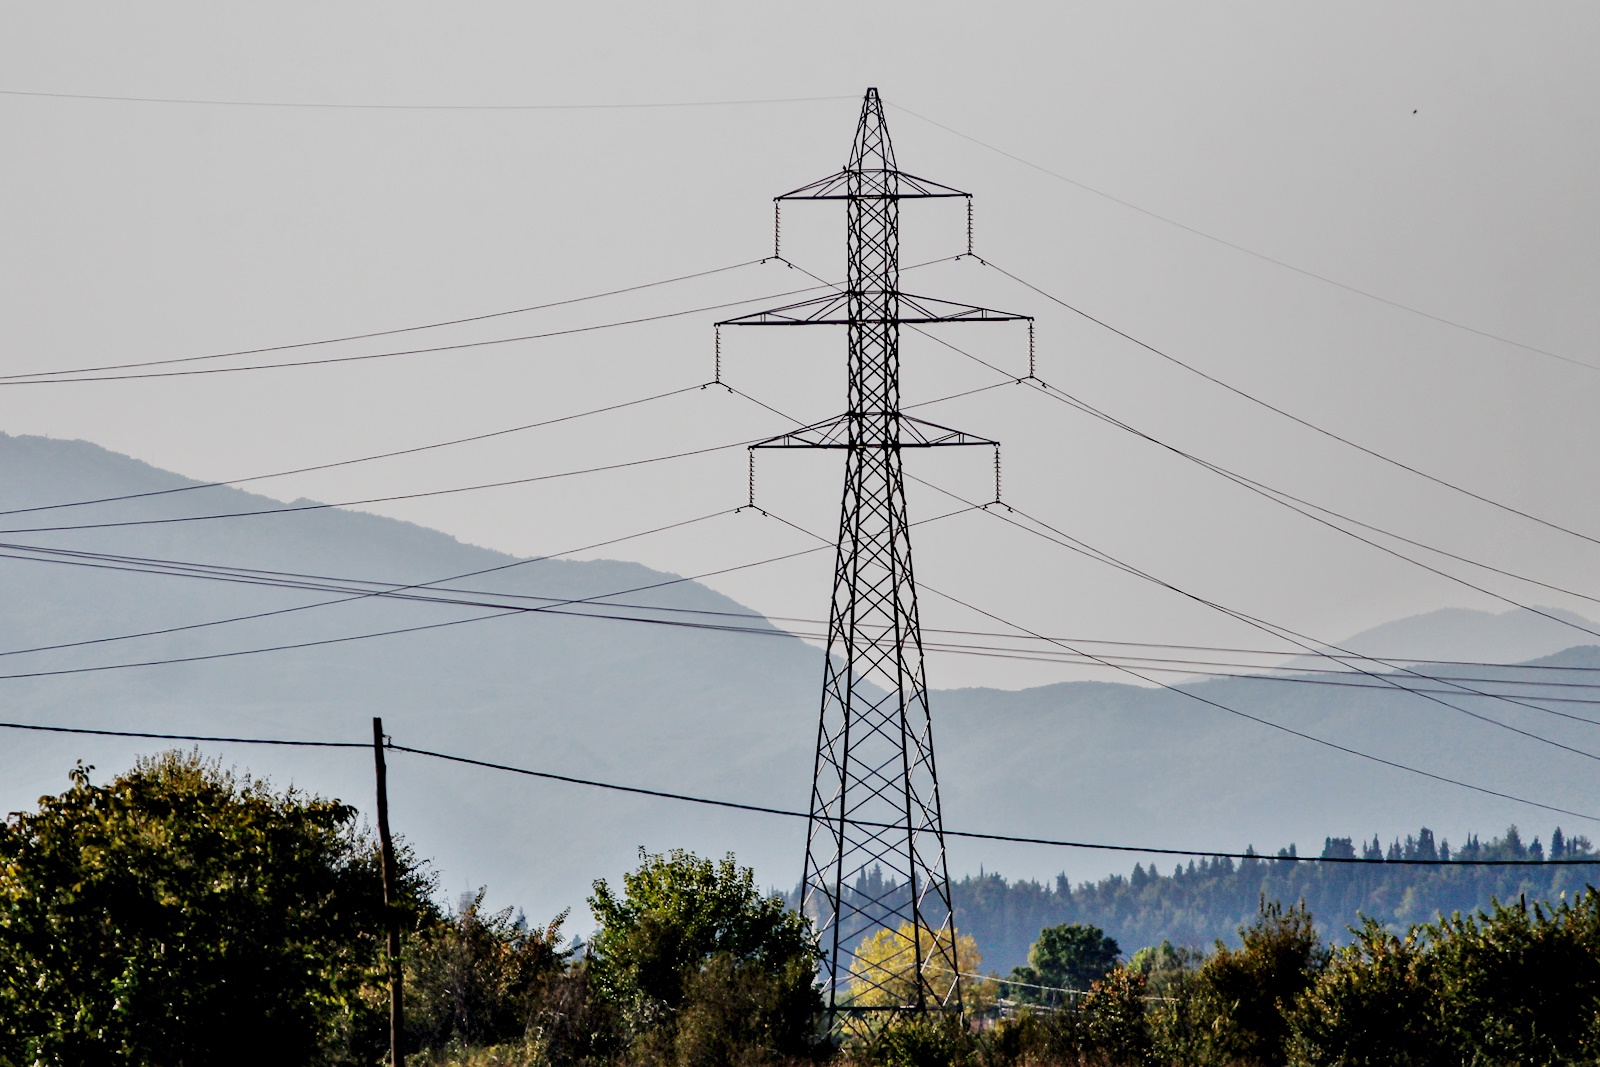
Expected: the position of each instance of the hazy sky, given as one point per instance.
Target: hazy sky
(1441, 156)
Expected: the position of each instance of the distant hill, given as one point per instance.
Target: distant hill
(718, 714)
(1464, 634)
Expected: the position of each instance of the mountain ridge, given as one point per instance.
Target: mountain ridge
(720, 715)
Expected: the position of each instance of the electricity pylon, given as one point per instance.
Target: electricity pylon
(875, 851)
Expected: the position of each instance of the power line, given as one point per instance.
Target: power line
(1186, 668)
(209, 738)
(403, 352)
(1298, 638)
(1250, 251)
(498, 611)
(290, 509)
(1218, 704)
(417, 107)
(386, 333)
(1288, 500)
(363, 587)
(361, 459)
(1281, 631)
(763, 809)
(414, 351)
(1290, 415)
(387, 589)
(298, 508)
(1273, 494)
(1288, 729)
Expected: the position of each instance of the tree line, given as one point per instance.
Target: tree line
(1202, 900)
(184, 915)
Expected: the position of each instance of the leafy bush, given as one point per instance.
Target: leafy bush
(747, 1012)
(480, 978)
(1072, 956)
(182, 914)
(1517, 984)
(1242, 997)
(692, 942)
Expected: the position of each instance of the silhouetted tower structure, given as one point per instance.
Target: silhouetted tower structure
(875, 854)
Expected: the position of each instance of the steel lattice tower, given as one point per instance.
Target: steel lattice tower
(875, 854)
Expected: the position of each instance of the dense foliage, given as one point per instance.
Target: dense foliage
(1201, 901)
(182, 914)
(1515, 985)
(886, 963)
(1067, 957)
(481, 978)
(700, 966)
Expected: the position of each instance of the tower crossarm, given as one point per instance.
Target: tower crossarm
(836, 433)
(895, 185)
(835, 310)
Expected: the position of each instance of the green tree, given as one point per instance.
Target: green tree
(1243, 996)
(1071, 956)
(1374, 1005)
(185, 915)
(686, 927)
(479, 977)
(1515, 984)
(1520, 983)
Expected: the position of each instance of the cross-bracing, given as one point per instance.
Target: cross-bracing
(875, 852)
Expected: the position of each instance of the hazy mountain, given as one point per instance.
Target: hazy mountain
(1511, 636)
(725, 715)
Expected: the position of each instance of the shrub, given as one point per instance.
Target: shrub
(479, 977)
(182, 914)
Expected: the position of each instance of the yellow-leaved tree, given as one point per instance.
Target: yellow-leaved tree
(886, 965)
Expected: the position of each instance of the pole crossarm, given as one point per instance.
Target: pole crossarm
(836, 433)
(844, 309)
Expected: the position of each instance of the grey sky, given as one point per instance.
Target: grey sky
(1440, 155)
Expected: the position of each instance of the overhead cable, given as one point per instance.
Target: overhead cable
(291, 509)
(360, 459)
(386, 333)
(632, 105)
(1223, 707)
(1308, 424)
(764, 809)
(1315, 648)
(329, 360)
(1249, 251)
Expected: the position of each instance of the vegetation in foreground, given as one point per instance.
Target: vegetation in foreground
(184, 915)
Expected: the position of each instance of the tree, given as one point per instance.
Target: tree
(1071, 956)
(1374, 1005)
(183, 914)
(479, 977)
(886, 961)
(1245, 994)
(686, 928)
(1516, 984)
(1520, 983)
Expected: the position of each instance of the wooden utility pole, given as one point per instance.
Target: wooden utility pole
(397, 1011)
